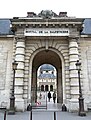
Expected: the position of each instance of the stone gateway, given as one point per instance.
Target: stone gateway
(46, 38)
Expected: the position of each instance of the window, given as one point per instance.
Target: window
(51, 87)
(46, 88)
(42, 87)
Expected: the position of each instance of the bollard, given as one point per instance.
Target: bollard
(5, 115)
(64, 108)
(54, 115)
(31, 115)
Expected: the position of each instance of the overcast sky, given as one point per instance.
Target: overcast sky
(19, 8)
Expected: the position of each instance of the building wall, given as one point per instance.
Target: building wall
(6, 51)
(85, 50)
(6, 57)
(28, 49)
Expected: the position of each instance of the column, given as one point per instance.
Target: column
(34, 85)
(73, 76)
(59, 86)
(19, 77)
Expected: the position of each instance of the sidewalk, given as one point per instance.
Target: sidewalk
(45, 115)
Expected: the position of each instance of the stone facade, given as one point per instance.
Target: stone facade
(6, 57)
(36, 41)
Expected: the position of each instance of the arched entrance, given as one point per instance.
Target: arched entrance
(47, 57)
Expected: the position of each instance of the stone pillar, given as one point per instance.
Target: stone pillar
(59, 88)
(44, 87)
(19, 76)
(73, 75)
(34, 86)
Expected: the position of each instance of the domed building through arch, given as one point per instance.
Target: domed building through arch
(46, 79)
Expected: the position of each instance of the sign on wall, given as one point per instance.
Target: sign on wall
(46, 32)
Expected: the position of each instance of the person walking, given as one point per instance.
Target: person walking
(54, 97)
(49, 96)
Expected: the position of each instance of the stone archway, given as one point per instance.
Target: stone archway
(48, 57)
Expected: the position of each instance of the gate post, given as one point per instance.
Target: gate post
(31, 113)
(54, 115)
(5, 115)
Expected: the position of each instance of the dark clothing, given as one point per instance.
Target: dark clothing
(64, 108)
(29, 107)
(49, 96)
(54, 97)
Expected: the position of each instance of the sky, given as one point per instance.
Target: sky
(19, 8)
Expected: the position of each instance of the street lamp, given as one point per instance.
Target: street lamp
(81, 99)
(12, 98)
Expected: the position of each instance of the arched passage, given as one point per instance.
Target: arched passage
(48, 57)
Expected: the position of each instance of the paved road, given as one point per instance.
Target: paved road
(45, 115)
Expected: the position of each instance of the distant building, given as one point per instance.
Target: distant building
(46, 79)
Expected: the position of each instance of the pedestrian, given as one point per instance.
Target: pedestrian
(49, 96)
(54, 97)
(40, 96)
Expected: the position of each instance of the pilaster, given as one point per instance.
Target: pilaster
(60, 89)
(73, 75)
(19, 76)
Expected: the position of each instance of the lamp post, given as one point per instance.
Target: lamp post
(81, 99)
(12, 98)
